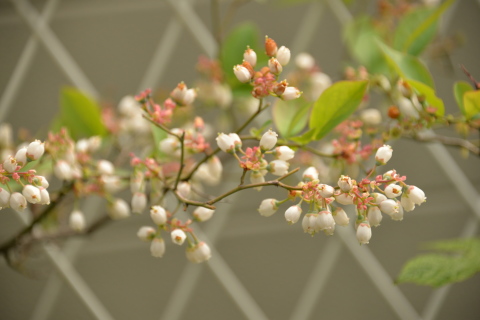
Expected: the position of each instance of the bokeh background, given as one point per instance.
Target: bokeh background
(261, 268)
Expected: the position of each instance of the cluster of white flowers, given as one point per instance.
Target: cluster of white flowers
(34, 187)
(254, 158)
(196, 251)
(323, 215)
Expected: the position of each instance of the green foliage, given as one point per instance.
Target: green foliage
(361, 38)
(235, 44)
(459, 90)
(430, 96)
(80, 114)
(406, 66)
(471, 103)
(290, 117)
(333, 106)
(459, 260)
(417, 29)
(336, 104)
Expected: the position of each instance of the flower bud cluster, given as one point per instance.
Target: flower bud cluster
(253, 159)
(387, 194)
(33, 187)
(196, 251)
(265, 81)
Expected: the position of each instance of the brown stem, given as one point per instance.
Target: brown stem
(255, 185)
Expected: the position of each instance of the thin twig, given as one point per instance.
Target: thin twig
(255, 185)
(182, 163)
(451, 141)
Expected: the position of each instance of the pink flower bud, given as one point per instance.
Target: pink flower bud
(268, 207)
(283, 55)
(278, 167)
(158, 215)
(393, 190)
(268, 140)
(203, 214)
(178, 236)
(242, 73)
(383, 155)
(199, 253)
(364, 232)
(119, 209)
(250, 56)
(35, 150)
(284, 153)
(225, 143)
(146, 233)
(274, 66)
(10, 164)
(76, 221)
(340, 217)
(291, 93)
(157, 247)
(31, 193)
(18, 201)
(292, 215)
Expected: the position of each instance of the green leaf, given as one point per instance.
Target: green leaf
(459, 89)
(336, 104)
(415, 31)
(234, 46)
(305, 138)
(406, 66)
(430, 96)
(419, 37)
(460, 261)
(290, 117)
(471, 103)
(361, 38)
(80, 114)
